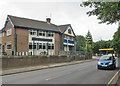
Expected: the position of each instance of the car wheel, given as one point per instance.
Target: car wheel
(98, 67)
(114, 67)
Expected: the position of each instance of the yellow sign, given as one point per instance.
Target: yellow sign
(106, 49)
(69, 32)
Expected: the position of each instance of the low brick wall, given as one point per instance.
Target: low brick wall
(19, 62)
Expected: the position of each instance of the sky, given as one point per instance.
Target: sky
(61, 12)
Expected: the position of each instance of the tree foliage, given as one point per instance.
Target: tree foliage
(116, 41)
(107, 12)
(80, 43)
(89, 42)
(101, 45)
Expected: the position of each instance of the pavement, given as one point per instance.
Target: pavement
(79, 73)
(118, 83)
(34, 68)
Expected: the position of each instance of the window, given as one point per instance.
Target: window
(65, 37)
(9, 32)
(40, 46)
(50, 34)
(41, 33)
(50, 46)
(8, 24)
(44, 46)
(30, 45)
(9, 46)
(33, 32)
(71, 38)
(69, 31)
(34, 46)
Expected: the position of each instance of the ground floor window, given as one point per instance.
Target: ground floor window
(44, 46)
(50, 46)
(40, 46)
(34, 46)
(9, 46)
(30, 45)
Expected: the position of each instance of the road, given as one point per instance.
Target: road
(83, 73)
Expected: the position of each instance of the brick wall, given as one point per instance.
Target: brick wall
(26, 61)
(22, 40)
(19, 62)
(6, 39)
(57, 43)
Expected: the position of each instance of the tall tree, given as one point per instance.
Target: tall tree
(101, 45)
(116, 42)
(107, 12)
(89, 42)
(80, 43)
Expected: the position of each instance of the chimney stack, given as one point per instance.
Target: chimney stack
(48, 20)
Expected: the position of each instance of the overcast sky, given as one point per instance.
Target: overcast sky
(61, 12)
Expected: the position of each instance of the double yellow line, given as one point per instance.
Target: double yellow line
(113, 78)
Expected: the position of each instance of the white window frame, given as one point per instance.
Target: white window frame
(33, 31)
(42, 44)
(42, 32)
(9, 32)
(51, 45)
(9, 43)
(51, 34)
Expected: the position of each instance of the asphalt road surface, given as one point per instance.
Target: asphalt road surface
(83, 73)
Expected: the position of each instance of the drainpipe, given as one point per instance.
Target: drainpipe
(67, 47)
(33, 48)
(15, 40)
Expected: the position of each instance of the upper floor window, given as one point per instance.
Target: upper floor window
(50, 34)
(9, 32)
(71, 38)
(69, 31)
(8, 24)
(41, 33)
(33, 32)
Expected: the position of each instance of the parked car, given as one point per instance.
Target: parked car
(106, 61)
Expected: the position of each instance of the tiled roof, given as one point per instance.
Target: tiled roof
(24, 22)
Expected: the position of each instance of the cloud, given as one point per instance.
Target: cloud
(61, 13)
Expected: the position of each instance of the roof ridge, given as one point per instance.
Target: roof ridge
(30, 19)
